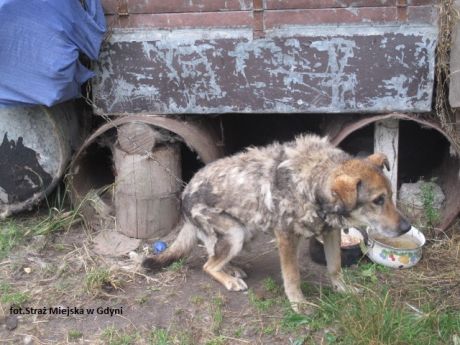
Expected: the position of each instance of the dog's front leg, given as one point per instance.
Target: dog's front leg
(287, 247)
(331, 238)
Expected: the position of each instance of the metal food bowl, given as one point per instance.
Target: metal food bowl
(350, 250)
(398, 252)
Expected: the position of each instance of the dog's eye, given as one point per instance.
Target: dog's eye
(380, 200)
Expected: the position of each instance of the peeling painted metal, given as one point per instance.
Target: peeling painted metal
(302, 69)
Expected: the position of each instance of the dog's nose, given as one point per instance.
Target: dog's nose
(404, 225)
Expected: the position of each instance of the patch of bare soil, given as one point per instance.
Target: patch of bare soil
(63, 293)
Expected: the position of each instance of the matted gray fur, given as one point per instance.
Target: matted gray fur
(305, 187)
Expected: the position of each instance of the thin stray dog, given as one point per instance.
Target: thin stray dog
(306, 187)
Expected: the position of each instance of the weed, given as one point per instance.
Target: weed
(16, 298)
(431, 213)
(239, 332)
(269, 330)
(73, 335)
(97, 279)
(271, 285)
(198, 300)
(292, 320)
(308, 289)
(142, 299)
(176, 266)
(11, 234)
(367, 273)
(217, 315)
(261, 304)
(113, 336)
(14, 232)
(159, 336)
(220, 340)
(298, 341)
(375, 318)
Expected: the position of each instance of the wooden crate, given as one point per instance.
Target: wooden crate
(272, 56)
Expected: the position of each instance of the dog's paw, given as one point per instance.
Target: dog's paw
(235, 284)
(235, 271)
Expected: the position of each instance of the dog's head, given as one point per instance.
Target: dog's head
(362, 194)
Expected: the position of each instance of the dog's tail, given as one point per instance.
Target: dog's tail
(181, 247)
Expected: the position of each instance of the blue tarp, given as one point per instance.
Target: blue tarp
(40, 44)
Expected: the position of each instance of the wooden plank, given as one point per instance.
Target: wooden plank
(187, 6)
(303, 69)
(308, 4)
(269, 19)
(182, 20)
(386, 140)
(327, 16)
(177, 6)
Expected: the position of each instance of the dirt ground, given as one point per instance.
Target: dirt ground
(87, 298)
(181, 303)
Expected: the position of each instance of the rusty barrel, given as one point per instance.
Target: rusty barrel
(140, 183)
(426, 151)
(36, 145)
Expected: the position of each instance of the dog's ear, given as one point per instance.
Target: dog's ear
(380, 160)
(345, 190)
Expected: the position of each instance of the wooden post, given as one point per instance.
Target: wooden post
(136, 138)
(147, 185)
(386, 140)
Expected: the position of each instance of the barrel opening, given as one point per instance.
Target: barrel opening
(94, 171)
(425, 154)
(190, 163)
(422, 150)
(422, 153)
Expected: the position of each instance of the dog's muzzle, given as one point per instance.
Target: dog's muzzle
(404, 226)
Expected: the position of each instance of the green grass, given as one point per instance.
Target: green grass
(261, 304)
(14, 232)
(11, 296)
(431, 213)
(217, 304)
(238, 332)
(273, 296)
(11, 235)
(97, 278)
(176, 266)
(160, 336)
(220, 340)
(74, 335)
(197, 300)
(372, 317)
(271, 285)
(113, 336)
(142, 299)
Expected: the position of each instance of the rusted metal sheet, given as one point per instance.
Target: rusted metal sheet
(303, 69)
